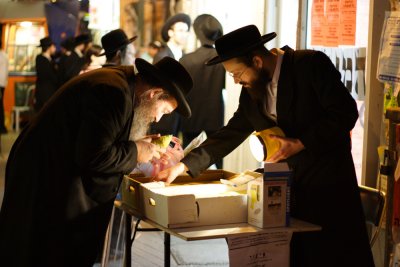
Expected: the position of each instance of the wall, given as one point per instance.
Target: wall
(12, 9)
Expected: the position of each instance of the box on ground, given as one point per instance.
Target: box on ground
(269, 197)
(187, 202)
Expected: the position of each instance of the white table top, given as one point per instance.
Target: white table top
(226, 230)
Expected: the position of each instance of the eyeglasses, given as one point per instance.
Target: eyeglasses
(237, 76)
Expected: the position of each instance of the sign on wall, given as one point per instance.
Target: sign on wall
(333, 22)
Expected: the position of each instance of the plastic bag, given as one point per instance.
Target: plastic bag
(171, 157)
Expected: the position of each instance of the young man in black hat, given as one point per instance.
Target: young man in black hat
(116, 47)
(205, 98)
(56, 207)
(174, 32)
(74, 63)
(301, 92)
(46, 74)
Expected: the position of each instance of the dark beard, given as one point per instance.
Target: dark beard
(257, 89)
(142, 118)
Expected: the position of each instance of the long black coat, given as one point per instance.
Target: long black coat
(46, 81)
(205, 98)
(64, 171)
(69, 67)
(315, 107)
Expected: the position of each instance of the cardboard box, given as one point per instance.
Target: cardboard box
(187, 202)
(269, 197)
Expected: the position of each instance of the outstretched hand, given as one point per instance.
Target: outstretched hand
(169, 175)
(289, 147)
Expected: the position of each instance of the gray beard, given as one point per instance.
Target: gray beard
(142, 119)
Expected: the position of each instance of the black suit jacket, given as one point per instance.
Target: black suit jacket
(64, 171)
(46, 81)
(314, 106)
(205, 98)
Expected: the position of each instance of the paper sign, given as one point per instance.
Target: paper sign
(266, 249)
(389, 53)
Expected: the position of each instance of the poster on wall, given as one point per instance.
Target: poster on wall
(318, 23)
(389, 51)
(347, 25)
(333, 22)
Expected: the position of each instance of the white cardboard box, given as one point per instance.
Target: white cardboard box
(269, 197)
(188, 202)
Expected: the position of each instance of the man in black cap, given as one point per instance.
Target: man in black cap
(115, 45)
(301, 92)
(174, 32)
(205, 99)
(74, 63)
(56, 207)
(46, 74)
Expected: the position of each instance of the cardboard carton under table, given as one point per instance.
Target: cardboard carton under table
(187, 202)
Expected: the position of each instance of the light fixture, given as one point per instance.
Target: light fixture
(26, 24)
(262, 146)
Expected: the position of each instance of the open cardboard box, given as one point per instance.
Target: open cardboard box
(182, 204)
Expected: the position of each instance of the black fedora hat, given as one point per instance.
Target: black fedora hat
(238, 43)
(45, 42)
(114, 41)
(207, 29)
(171, 74)
(180, 17)
(82, 39)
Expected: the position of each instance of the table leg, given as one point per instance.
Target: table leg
(167, 250)
(128, 242)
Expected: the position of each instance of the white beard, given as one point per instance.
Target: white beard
(142, 118)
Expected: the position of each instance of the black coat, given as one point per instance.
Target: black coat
(64, 171)
(205, 98)
(315, 107)
(46, 81)
(69, 67)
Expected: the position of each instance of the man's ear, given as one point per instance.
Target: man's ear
(257, 62)
(154, 92)
(170, 33)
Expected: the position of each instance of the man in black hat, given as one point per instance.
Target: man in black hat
(74, 63)
(205, 99)
(46, 73)
(174, 32)
(301, 92)
(116, 47)
(56, 207)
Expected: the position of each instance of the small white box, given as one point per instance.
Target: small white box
(269, 197)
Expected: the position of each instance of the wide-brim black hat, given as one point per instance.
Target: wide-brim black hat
(207, 29)
(173, 76)
(45, 42)
(180, 17)
(82, 39)
(238, 43)
(114, 41)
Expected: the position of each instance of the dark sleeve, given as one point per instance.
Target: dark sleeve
(106, 112)
(221, 143)
(339, 110)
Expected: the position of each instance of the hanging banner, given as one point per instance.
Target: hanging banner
(347, 26)
(389, 51)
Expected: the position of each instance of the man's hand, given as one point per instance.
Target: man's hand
(169, 175)
(289, 147)
(147, 150)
